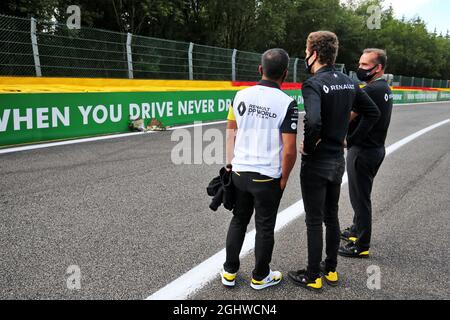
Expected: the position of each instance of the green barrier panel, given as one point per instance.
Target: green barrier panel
(30, 118)
(415, 96)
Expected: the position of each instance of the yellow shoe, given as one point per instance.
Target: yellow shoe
(331, 278)
(272, 279)
(228, 279)
(301, 279)
(351, 250)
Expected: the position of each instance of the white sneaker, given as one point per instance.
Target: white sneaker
(272, 279)
(228, 279)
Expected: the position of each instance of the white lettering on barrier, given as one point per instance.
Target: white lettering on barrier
(195, 107)
(4, 120)
(18, 119)
(42, 118)
(100, 109)
(224, 105)
(150, 111)
(85, 113)
(57, 115)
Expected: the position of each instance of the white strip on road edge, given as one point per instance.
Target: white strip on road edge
(196, 278)
(82, 140)
(123, 135)
(106, 137)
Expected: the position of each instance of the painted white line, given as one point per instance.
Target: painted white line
(82, 140)
(106, 137)
(198, 125)
(196, 278)
(63, 143)
(123, 135)
(419, 103)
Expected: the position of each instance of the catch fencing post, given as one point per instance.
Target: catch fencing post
(295, 69)
(191, 63)
(233, 65)
(129, 56)
(34, 44)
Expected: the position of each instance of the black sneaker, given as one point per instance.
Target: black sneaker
(351, 250)
(301, 279)
(331, 277)
(349, 235)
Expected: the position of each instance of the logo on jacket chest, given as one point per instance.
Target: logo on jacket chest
(338, 87)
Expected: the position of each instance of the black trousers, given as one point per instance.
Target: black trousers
(362, 167)
(321, 187)
(262, 194)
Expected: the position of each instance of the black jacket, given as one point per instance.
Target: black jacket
(222, 190)
(380, 92)
(329, 97)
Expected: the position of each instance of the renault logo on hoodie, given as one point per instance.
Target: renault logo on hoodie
(326, 89)
(241, 109)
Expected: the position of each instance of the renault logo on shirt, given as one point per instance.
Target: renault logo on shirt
(326, 89)
(261, 112)
(241, 109)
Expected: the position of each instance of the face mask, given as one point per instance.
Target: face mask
(365, 75)
(308, 67)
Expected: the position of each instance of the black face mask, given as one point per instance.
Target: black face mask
(308, 67)
(365, 75)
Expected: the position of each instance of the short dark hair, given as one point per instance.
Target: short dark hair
(326, 44)
(381, 56)
(274, 63)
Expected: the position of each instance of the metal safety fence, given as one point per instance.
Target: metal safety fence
(31, 47)
(419, 82)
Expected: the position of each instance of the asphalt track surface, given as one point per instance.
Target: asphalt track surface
(134, 222)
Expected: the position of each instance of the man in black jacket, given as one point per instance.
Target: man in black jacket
(329, 97)
(365, 156)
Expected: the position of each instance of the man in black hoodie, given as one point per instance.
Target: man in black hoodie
(365, 156)
(329, 97)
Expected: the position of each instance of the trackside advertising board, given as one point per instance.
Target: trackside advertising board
(36, 117)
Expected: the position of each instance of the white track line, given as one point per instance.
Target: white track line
(419, 103)
(106, 137)
(82, 140)
(7, 150)
(205, 272)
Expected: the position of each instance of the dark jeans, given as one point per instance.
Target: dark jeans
(262, 194)
(321, 187)
(362, 167)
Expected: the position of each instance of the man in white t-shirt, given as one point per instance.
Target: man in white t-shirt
(261, 148)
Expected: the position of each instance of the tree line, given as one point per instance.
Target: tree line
(256, 25)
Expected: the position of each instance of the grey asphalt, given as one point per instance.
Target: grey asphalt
(133, 221)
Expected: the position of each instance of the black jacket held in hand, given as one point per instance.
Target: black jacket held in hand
(329, 97)
(222, 190)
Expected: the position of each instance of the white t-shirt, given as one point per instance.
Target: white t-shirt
(262, 113)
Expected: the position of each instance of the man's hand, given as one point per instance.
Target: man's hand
(353, 116)
(283, 183)
(301, 149)
(230, 140)
(289, 157)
